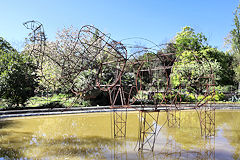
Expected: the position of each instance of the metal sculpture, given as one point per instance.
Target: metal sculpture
(107, 64)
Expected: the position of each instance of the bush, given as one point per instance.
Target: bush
(189, 97)
(217, 97)
(221, 96)
(17, 78)
(200, 98)
(227, 88)
(158, 96)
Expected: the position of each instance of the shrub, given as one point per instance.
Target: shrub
(158, 96)
(217, 97)
(191, 97)
(221, 96)
(200, 98)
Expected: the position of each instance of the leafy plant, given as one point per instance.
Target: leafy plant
(18, 79)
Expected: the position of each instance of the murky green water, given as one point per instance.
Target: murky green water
(88, 136)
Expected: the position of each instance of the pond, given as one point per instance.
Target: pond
(88, 136)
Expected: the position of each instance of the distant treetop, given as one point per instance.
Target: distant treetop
(5, 46)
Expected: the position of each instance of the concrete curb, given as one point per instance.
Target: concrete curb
(78, 110)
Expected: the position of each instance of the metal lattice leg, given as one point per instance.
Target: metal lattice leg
(207, 121)
(148, 130)
(119, 114)
(119, 123)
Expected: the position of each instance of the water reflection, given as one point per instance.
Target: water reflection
(88, 136)
(170, 148)
(231, 130)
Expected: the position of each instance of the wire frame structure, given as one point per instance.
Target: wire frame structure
(94, 61)
(90, 53)
(116, 63)
(207, 111)
(155, 95)
(37, 36)
(38, 39)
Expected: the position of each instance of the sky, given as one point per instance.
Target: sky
(155, 20)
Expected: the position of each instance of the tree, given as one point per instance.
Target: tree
(190, 71)
(234, 40)
(17, 76)
(225, 60)
(188, 40)
(5, 46)
(235, 33)
(188, 45)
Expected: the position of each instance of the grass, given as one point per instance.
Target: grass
(61, 99)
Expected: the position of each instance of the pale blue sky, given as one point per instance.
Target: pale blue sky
(156, 20)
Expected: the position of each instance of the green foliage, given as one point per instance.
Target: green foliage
(189, 97)
(189, 72)
(57, 100)
(183, 97)
(85, 79)
(189, 40)
(86, 103)
(216, 97)
(48, 77)
(196, 59)
(158, 96)
(200, 98)
(225, 88)
(225, 60)
(5, 46)
(17, 77)
(155, 80)
(233, 40)
(128, 80)
(235, 33)
(212, 98)
(237, 72)
(221, 96)
(48, 72)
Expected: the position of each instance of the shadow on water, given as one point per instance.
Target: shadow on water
(13, 148)
(85, 147)
(8, 147)
(6, 123)
(10, 153)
